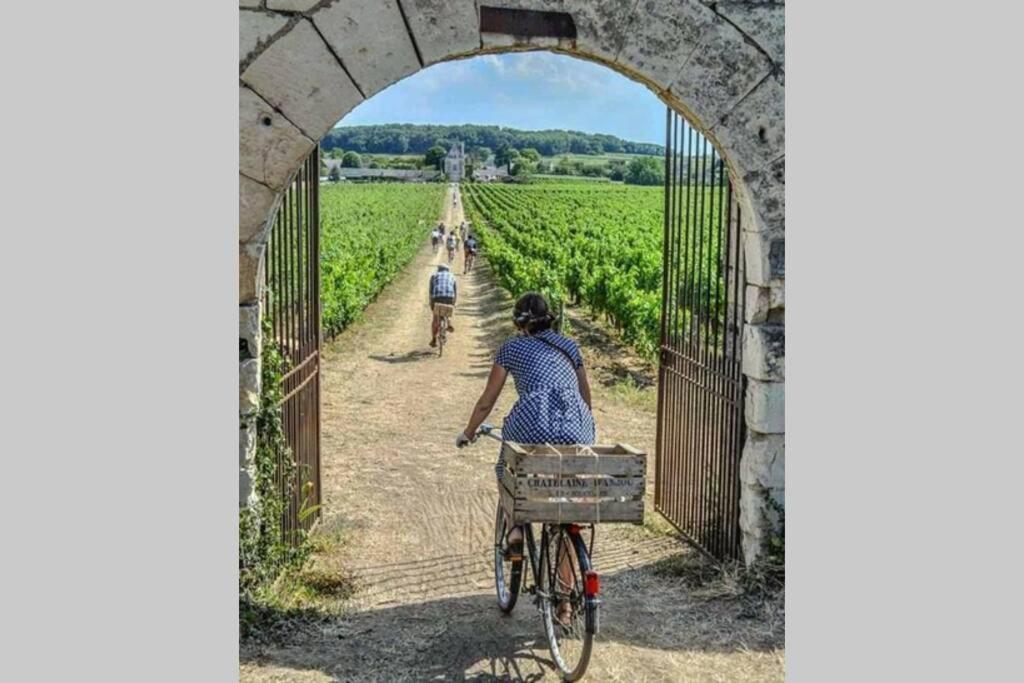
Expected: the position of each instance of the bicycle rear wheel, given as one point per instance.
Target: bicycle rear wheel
(508, 575)
(442, 336)
(571, 642)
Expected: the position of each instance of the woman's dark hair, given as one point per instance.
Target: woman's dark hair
(532, 313)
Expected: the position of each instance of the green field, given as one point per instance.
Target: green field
(598, 243)
(369, 233)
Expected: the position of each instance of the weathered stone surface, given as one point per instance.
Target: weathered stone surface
(765, 406)
(764, 23)
(299, 75)
(762, 476)
(719, 73)
(248, 386)
(250, 272)
(370, 38)
(756, 304)
(767, 192)
(249, 333)
(777, 296)
(763, 460)
(256, 203)
(765, 258)
(754, 132)
(245, 490)
(255, 28)
(270, 148)
(246, 443)
(249, 3)
(764, 352)
(246, 453)
(443, 28)
(661, 36)
(600, 25)
(291, 5)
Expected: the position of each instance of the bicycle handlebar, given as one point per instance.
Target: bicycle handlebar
(487, 430)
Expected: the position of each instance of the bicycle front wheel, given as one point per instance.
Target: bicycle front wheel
(570, 619)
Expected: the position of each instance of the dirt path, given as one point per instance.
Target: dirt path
(415, 517)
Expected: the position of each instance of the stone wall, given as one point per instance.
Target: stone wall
(304, 64)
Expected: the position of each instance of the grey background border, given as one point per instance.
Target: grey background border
(120, 313)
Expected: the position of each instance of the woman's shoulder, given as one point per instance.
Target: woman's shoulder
(508, 348)
(566, 344)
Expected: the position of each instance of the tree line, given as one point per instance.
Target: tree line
(407, 138)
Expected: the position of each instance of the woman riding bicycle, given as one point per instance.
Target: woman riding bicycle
(554, 394)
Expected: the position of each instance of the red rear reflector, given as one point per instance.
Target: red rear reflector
(574, 529)
(591, 584)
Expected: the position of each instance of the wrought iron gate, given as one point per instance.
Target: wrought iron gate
(700, 389)
(292, 301)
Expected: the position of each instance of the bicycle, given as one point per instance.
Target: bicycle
(451, 254)
(570, 580)
(442, 330)
(469, 258)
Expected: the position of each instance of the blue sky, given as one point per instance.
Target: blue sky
(529, 90)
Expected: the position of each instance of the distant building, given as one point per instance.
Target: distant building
(371, 174)
(455, 163)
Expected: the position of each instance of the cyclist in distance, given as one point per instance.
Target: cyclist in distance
(435, 239)
(554, 397)
(441, 290)
(470, 248)
(452, 243)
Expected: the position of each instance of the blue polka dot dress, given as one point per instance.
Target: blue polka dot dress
(550, 408)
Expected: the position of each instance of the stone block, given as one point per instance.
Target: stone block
(256, 206)
(298, 75)
(762, 22)
(255, 29)
(248, 387)
(764, 352)
(245, 490)
(292, 5)
(767, 192)
(246, 444)
(249, 3)
(763, 461)
(719, 73)
(753, 522)
(661, 36)
(765, 258)
(370, 38)
(754, 132)
(600, 25)
(250, 272)
(765, 406)
(756, 304)
(270, 148)
(443, 28)
(249, 333)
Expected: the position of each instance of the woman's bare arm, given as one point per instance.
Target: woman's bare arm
(484, 405)
(581, 375)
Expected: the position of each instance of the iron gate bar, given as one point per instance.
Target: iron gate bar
(292, 299)
(700, 395)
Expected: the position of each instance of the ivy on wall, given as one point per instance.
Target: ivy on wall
(263, 551)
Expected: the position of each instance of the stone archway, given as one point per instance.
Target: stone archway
(304, 64)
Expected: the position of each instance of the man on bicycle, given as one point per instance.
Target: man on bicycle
(451, 246)
(470, 248)
(442, 290)
(435, 239)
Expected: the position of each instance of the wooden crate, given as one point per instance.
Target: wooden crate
(552, 483)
